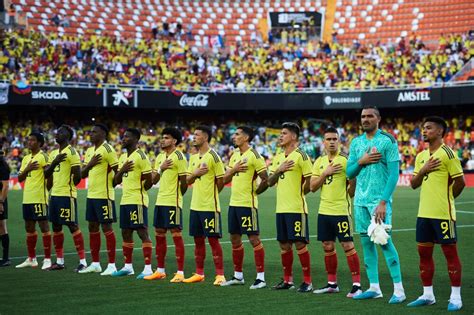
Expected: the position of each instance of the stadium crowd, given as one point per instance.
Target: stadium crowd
(283, 65)
(460, 137)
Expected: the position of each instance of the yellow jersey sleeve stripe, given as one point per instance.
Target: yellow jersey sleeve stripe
(257, 155)
(457, 175)
(215, 156)
(146, 172)
(114, 164)
(179, 154)
(219, 176)
(261, 170)
(448, 152)
(75, 164)
(307, 174)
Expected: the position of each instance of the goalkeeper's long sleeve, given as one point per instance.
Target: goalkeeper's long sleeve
(392, 180)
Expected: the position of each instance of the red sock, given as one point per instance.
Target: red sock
(160, 249)
(128, 252)
(199, 253)
(47, 245)
(354, 264)
(31, 239)
(147, 248)
(58, 239)
(259, 255)
(217, 255)
(179, 250)
(330, 260)
(454, 265)
(305, 260)
(287, 262)
(111, 244)
(425, 251)
(94, 242)
(79, 242)
(238, 257)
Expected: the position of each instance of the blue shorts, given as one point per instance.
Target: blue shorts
(101, 210)
(168, 217)
(435, 231)
(243, 220)
(363, 215)
(133, 217)
(63, 210)
(35, 211)
(205, 223)
(292, 227)
(332, 226)
(4, 214)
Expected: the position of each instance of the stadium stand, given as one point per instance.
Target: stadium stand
(164, 63)
(367, 20)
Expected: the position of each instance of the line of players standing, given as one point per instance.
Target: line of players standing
(372, 155)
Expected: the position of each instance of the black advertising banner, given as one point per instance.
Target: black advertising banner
(60, 96)
(194, 100)
(287, 19)
(340, 100)
(124, 97)
(224, 100)
(403, 98)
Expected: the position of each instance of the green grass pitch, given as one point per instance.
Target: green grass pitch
(36, 291)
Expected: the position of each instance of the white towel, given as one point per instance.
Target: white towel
(378, 232)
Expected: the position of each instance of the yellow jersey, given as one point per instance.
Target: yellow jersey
(63, 184)
(335, 198)
(101, 176)
(169, 193)
(133, 190)
(436, 196)
(244, 184)
(205, 193)
(35, 190)
(290, 186)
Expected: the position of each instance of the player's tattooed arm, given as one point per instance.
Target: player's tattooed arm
(306, 187)
(352, 188)
(284, 167)
(183, 184)
(263, 182)
(148, 181)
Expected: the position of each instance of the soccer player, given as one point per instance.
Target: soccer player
(170, 170)
(245, 166)
(100, 166)
(4, 237)
(65, 173)
(440, 175)
(135, 176)
(334, 215)
(206, 173)
(374, 161)
(35, 200)
(291, 172)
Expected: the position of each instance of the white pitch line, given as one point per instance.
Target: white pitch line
(469, 212)
(227, 242)
(463, 202)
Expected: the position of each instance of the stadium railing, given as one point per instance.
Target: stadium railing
(87, 85)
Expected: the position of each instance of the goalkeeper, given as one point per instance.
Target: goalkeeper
(374, 162)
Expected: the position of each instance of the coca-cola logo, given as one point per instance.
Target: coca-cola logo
(199, 100)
